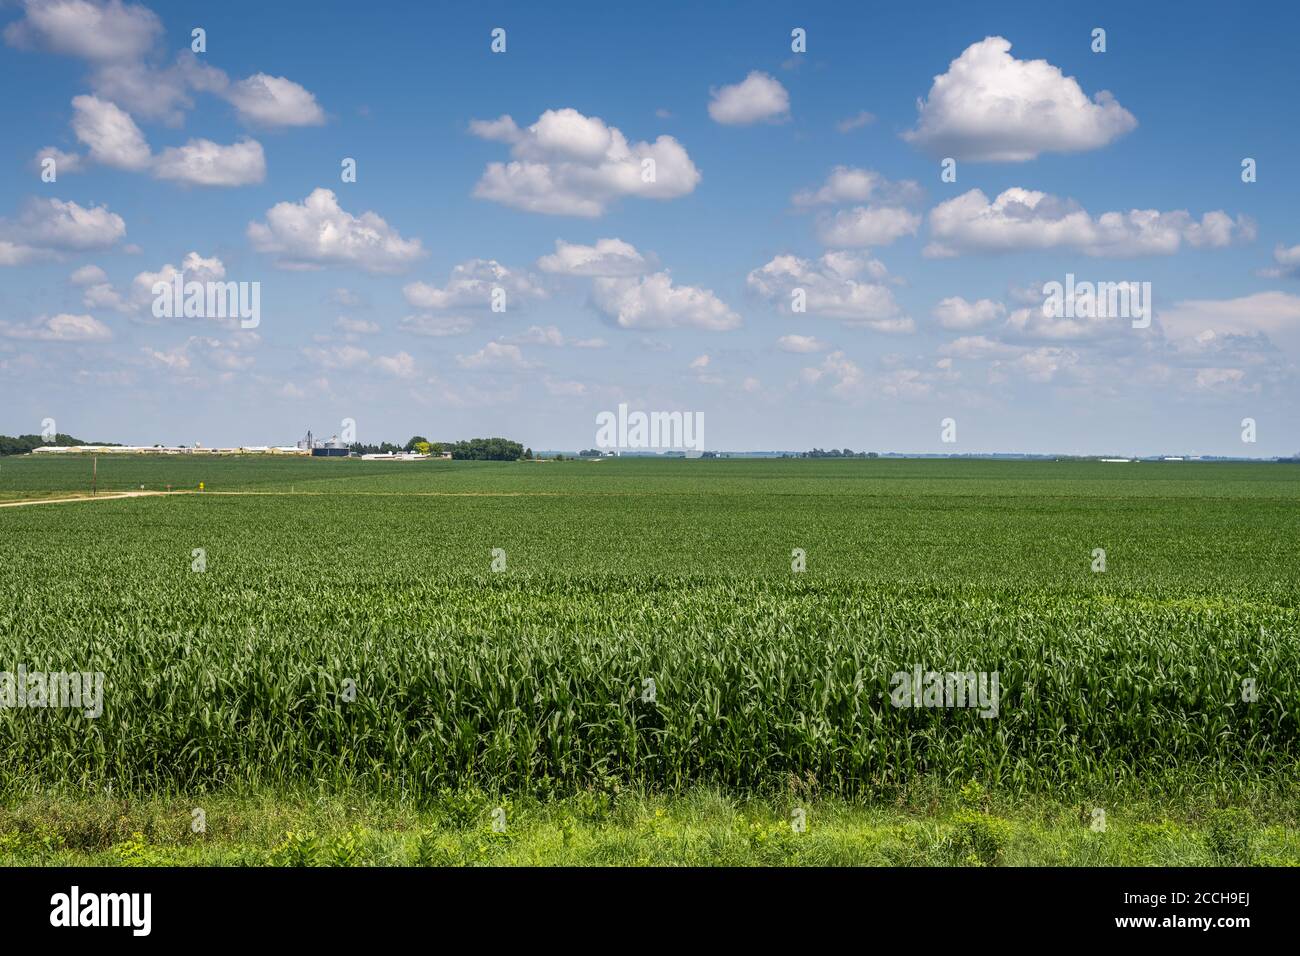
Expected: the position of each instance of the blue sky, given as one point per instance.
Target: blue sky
(923, 296)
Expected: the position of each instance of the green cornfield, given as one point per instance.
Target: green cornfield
(348, 630)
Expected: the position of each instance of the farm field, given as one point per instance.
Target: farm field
(645, 651)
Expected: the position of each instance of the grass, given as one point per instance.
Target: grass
(699, 827)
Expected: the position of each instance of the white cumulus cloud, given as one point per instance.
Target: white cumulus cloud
(845, 184)
(654, 302)
(755, 99)
(1022, 219)
(864, 226)
(110, 133)
(471, 284)
(317, 232)
(958, 314)
(568, 164)
(839, 285)
(265, 100)
(99, 32)
(202, 162)
(991, 107)
(879, 223)
(608, 257)
(58, 328)
(47, 227)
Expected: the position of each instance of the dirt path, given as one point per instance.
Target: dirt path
(110, 495)
(106, 496)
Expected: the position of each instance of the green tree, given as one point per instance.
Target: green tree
(487, 449)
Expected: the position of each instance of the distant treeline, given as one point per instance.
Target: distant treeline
(25, 443)
(490, 449)
(476, 449)
(837, 453)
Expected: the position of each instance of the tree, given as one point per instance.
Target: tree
(25, 443)
(422, 447)
(415, 440)
(528, 453)
(487, 449)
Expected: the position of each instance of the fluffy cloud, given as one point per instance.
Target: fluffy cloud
(47, 227)
(275, 101)
(839, 285)
(115, 140)
(102, 295)
(226, 357)
(1036, 363)
(195, 268)
(608, 257)
(158, 93)
(569, 164)
(757, 98)
(119, 41)
(110, 133)
(353, 358)
(99, 32)
(867, 226)
(63, 162)
(800, 344)
(1275, 315)
(653, 302)
(991, 107)
(1044, 363)
(202, 162)
(904, 383)
(471, 285)
(1287, 264)
(317, 232)
(88, 275)
(1021, 219)
(845, 184)
(1041, 323)
(838, 373)
(878, 224)
(958, 314)
(58, 328)
(400, 365)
